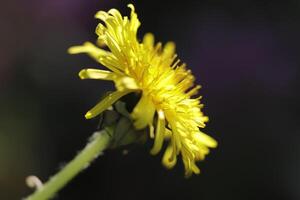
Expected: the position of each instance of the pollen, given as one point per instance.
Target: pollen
(167, 106)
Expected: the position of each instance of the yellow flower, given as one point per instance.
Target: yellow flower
(166, 86)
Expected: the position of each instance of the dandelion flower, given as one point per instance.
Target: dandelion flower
(167, 88)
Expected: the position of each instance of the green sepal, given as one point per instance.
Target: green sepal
(120, 125)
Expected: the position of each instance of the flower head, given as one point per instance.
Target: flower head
(167, 87)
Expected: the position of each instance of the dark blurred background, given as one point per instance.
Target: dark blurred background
(245, 54)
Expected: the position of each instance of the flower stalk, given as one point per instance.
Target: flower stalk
(98, 142)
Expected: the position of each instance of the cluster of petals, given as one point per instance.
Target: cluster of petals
(167, 104)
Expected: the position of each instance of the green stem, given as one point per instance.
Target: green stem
(99, 142)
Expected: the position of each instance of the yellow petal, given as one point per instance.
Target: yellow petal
(151, 130)
(89, 48)
(104, 57)
(169, 160)
(195, 169)
(169, 50)
(192, 169)
(159, 133)
(116, 14)
(148, 40)
(105, 103)
(101, 15)
(126, 83)
(168, 133)
(143, 113)
(96, 74)
(134, 21)
(194, 90)
(206, 140)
